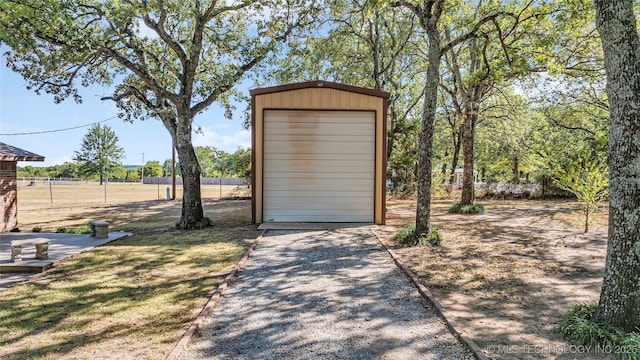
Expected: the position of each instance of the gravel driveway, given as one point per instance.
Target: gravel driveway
(323, 295)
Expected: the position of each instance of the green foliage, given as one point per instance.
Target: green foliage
(99, 154)
(407, 236)
(31, 171)
(151, 169)
(435, 237)
(80, 230)
(577, 325)
(439, 187)
(588, 181)
(474, 208)
(168, 60)
(36, 229)
(242, 163)
(219, 163)
(15, 229)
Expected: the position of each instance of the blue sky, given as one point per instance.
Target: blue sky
(21, 111)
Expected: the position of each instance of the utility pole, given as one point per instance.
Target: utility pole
(142, 177)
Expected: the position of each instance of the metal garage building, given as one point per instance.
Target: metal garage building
(318, 153)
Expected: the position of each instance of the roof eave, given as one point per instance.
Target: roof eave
(319, 84)
(21, 158)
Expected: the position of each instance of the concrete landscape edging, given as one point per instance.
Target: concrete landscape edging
(424, 291)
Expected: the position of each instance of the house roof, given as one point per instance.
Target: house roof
(12, 153)
(319, 84)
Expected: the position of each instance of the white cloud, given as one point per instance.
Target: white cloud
(228, 143)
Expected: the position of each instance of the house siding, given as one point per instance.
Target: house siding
(8, 195)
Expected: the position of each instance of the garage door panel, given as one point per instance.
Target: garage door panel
(331, 147)
(310, 129)
(354, 157)
(325, 117)
(336, 166)
(308, 176)
(318, 166)
(279, 137)
(287, 209)
(322, 212)
(293, 202)
(324, 218)
(346, 194)
(332, 185)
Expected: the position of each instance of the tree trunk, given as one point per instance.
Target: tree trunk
(391, 135)
(620, 297)
(586, 219)
(425, 147)
(192, 213)
(516, 170)
(456, 155)
(468, 138)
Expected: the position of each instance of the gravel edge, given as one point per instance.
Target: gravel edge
(427, 295)
(213, 301)
(423, 290)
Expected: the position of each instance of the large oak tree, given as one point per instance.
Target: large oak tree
(620, 297)
(164, 59)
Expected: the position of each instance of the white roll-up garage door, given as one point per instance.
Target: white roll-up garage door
(318, 166)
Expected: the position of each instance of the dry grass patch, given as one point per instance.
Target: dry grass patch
(508, 275)
(132, 298)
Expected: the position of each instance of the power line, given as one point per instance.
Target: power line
(59, 130)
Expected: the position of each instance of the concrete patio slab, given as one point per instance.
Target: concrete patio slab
(60, 247)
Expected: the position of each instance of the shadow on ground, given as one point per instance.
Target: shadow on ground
(508, 275)
(132, 298)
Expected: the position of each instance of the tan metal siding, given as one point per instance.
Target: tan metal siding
(320, 99)
(326, 177)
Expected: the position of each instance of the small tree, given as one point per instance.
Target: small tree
(151, 169)
(242, 163)
(99, 154)
(588, 181)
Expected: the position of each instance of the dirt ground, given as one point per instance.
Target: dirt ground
(508, 275)
(51, 207)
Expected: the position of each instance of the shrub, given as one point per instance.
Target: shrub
(473, 208)
(577, 326)
(36, 229)
(435, 237)
(407, 236)
(81, 230)
(15, 230)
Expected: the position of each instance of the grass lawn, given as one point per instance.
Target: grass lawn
(130, 299)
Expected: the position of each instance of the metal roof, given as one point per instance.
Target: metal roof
(12, 153)
(319, 84)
